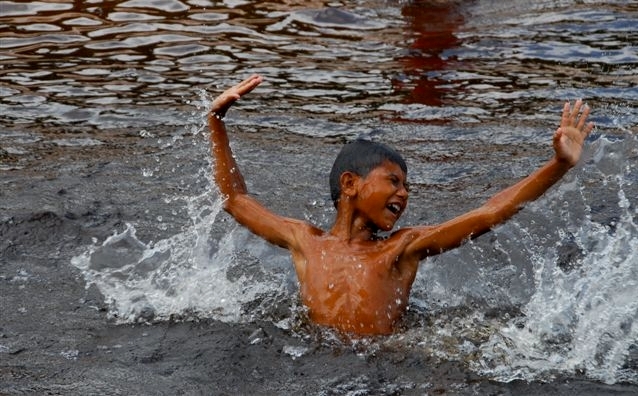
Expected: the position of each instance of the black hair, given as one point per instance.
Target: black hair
(360, 157)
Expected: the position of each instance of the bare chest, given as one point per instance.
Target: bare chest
(348, 288)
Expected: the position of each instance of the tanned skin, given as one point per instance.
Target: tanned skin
(350, 279)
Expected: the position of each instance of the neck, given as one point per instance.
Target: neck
(349, 227)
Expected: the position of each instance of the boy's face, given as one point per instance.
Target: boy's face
(382, 195)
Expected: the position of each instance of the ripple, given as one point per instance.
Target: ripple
(127, 58)
(162, 5)
(10, 8)
(82, 21)
(78, 142)
(180, 50)
(6, 91)
(128, 28)
(206, 59)
(121, 87)
(139, 41)
(383, 58)
(14, 42)
(93, 72)
(26, 99)
(131, 16)
(40, 27)
(209, 16)
(337, 18)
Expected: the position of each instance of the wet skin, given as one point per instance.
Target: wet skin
(350, 279)
(353, 280)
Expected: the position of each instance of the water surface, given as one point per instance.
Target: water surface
(102, 108)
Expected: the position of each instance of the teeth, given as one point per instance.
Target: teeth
(395, 208)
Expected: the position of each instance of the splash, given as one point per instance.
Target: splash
(582, 318)
(568, 263)
(209, 269)
(185, 276)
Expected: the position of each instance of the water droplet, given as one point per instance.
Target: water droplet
(146, 134)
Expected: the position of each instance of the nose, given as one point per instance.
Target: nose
(403, 192)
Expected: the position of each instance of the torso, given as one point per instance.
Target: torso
(358, 288)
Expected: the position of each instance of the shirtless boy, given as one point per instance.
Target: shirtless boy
(349, 278)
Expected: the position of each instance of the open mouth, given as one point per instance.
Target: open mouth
(394, 208)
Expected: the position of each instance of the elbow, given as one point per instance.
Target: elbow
(226, 204)
(236, 204)
(493, 215)
(487, 218)
(230, 193)
(230, 202)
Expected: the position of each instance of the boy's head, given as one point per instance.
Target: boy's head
(360, 157)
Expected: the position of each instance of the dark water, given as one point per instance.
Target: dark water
(119, 274)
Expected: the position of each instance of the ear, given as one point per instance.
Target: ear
(348, 182)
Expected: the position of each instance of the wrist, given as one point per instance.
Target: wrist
(563, 163)
(214, 115)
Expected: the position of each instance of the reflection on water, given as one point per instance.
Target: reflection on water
(108, 63)
(461, 87)
(105, 56)
(432, 37)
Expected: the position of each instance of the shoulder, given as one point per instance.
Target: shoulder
(410, 245)
(308, 229)
(303, 232)
(409, 234)
(419, 241)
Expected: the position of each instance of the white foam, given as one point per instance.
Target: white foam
(583, 320)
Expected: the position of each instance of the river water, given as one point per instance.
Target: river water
(106, 193)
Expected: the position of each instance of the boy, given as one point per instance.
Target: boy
(349, 278)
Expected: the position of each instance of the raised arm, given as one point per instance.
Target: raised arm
(245, 209)
(227, 174)
(568, 143)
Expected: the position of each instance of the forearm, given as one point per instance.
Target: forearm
(506, 203)
(227, 175)
(568, 143)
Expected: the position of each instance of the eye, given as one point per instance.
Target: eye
(396, 181)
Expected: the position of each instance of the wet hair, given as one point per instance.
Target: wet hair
(360, 157)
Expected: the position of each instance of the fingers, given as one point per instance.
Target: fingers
(557, 135)
(232, 94)
(224, 100)
(576, 117)
(575, 111)
(583, 118)
(564, 120)
(248, 84)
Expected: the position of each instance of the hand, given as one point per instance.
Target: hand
(222, 103)
(570, 136)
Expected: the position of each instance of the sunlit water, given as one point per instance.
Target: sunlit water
(551, 293)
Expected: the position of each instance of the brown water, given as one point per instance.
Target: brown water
(104, 182)
(136, 63)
